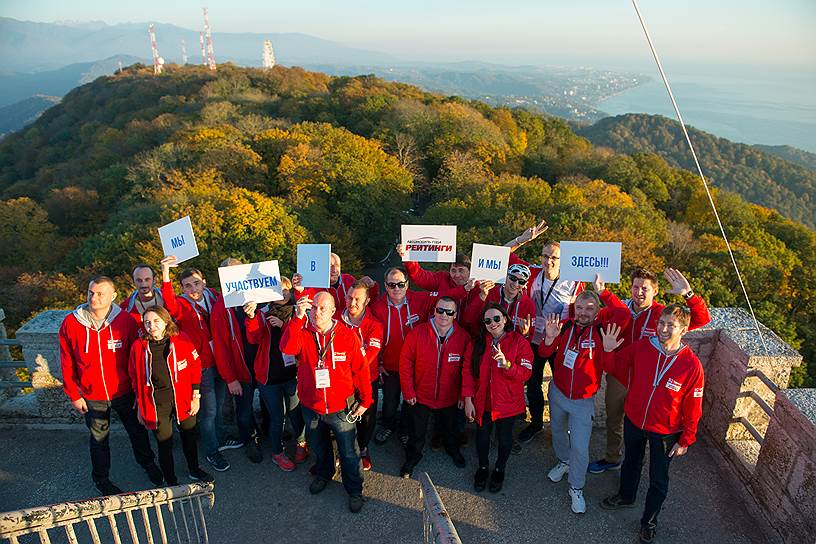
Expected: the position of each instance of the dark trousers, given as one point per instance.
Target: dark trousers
(281, 400)
(635, 440)
(504, 434)
(318, 427)
(535, 394)
(165, 410)
(244, 411)
(445, 419)
(97, 419)
(391, 391)
(367, 423)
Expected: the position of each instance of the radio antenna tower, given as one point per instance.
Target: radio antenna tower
(210, 53)
(203, 51)
(268, 55)
(183, 52)
(158, 62)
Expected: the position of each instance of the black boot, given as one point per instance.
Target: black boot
(168, 467)
(189, 445)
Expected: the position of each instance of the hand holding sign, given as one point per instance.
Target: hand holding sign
(166, 264)
(177, 239)
(484, 288)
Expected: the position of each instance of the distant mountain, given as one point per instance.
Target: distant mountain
(20, 114)
(760, 177)
(792, 154)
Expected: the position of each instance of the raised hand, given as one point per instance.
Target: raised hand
(484, 288)
(552, 328)
(679, 283)
(471, 283)
(598, 284)
(302, 307)
(166, 264)
(401, 250)
(526, 324)
(368, 281)
(610, 337)
(249, 309)
(498, 356)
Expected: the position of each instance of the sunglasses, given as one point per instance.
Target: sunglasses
(518, 280)
(494, 319)
(396, 284)
(445, 311)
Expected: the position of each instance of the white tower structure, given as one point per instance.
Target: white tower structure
(208, 34)
(183, 52)
(268, 55)
(158, 62)
(203, 50)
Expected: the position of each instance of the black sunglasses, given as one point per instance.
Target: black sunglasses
(445, 311)
(494, 319)
(516, 279)
(396, 284)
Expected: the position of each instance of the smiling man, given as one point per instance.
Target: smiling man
(146, 295)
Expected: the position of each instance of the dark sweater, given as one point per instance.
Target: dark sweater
(278, 371)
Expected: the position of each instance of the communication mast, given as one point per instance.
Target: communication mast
(183, 52)
(203, 51)
(158, 62)
(208, 33)
(268, 55)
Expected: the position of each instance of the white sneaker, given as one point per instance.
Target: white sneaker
(557, 472)
(578, 502)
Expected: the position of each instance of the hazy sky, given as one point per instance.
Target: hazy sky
(514, 31)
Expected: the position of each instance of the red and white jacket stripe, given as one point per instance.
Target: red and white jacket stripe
(666, 393)
(370, 333)
(185, 372)
(228, 344)
(504, 385)
(193, 320)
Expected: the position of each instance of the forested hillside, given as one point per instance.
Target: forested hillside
(263, 161)
(758, 176)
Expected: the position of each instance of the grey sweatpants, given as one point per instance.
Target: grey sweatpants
(574, 416)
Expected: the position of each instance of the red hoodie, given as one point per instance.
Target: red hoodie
(185, 372)
(519, 310)
(95, 362)
(666, 393)
(370, 333)
(193, 320)
(228, 344)
(499, 390)
(442, 283)
(338, 291)
(135, 309)
(432, 372)
(344, 361)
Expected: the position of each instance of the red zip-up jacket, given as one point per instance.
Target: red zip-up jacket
(584, 378)
(397, 322)
(95, 362)
(666, 393)
(129, 305)
(441, 282)
(520, 309)
(228, 344)
(370, 333)
(344, 360)
(535, 270)
(185, 374)
(505, 386)
(432, 372)
(193, 320)
(338, 291)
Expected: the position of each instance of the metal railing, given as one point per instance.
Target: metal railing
(436, 523)
(180, 504)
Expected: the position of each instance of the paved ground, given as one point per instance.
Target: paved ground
(260, 504)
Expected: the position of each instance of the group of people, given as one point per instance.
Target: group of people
(459, 351)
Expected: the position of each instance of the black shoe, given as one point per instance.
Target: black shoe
(382, 436)
(464, 439)
(106, 487)
(171, 482)
(218, 462)
(528, 433)
(231, 443)
(647, 534)
(616, 502)
(155, 474)
(198, 475)
(496, 480)
(480, 479)
(408, 467)
(317, 485)
(515, 449)
(457, 458)
(356, 503)
(253, 452)
(404, 440)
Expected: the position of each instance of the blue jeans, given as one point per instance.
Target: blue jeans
(345, 434)
(244, 412)
(280, 399)
(213, 391)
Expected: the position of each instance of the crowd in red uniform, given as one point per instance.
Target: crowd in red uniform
(459, 351)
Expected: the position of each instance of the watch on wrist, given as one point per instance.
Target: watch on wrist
(689, 294)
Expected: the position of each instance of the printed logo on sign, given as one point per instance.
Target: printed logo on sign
(673, 385)
(698, 392)
(374, 342)
(427, 243)
(454, 357)
(114, 344)
(182, 364)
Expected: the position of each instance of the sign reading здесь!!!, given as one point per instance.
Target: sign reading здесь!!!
(489, 262)
(580, 261)
(177, 239)
(429, 243)
(256, 282)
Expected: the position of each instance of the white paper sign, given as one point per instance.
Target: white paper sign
(313, 264)
(580, 261)
(489, 262)
(429, 243)
(256, 282)
(177, 239)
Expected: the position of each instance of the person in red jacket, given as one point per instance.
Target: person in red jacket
(645, 311)
(495, 369)
(400, 311)
(94, 344)
(334, 388)
(339, 285)
(577, 371)
(510, 296)
(166, 374)
(192, 311)
(663, 408)
(146, 295)
(430, 374)
(370, 332)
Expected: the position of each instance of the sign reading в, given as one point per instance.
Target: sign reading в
(313, 264)
(429, 243)
(489, 262)
(580, 261)
(177, 239)
(256, 282)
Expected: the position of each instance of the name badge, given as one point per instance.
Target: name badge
(454, 357)
(569, 358)
(374, 343)
(588, 344)
(322, 379)
(698, 392)
(113, 345)
(289, 360)
(182, 364)
(673, 385)
(339, 356)
(412, 319)
(648, 333)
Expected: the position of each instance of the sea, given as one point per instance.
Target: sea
(753, 105)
